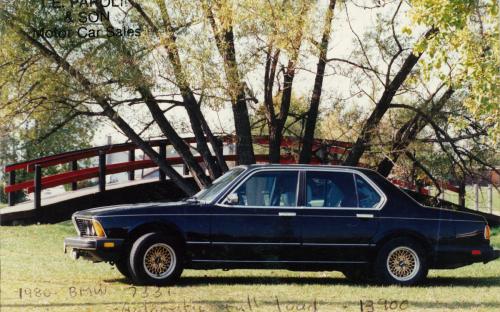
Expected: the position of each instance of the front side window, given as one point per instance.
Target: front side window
(268, 188)
(330, 189)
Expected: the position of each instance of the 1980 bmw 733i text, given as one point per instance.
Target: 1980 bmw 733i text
(296, 217)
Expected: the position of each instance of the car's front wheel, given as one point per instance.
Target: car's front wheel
(401, 261)
(122, 266)
(155, 260)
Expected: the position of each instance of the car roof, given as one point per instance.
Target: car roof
(307, 166)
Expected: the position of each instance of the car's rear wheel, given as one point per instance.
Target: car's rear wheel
(401, 261)
(155, 260)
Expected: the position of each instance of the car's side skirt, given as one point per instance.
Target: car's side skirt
(205, 264)
(274, 261)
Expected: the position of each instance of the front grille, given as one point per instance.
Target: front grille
(85, 227)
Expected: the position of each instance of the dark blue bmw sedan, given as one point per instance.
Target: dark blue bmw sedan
(296, 217)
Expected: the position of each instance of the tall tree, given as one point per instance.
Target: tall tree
(293, 15)
(225, 41)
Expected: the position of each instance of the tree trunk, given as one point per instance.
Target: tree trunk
(382, 106)
(244, 144)
(177, 142)
(276, 131)
(312, 114)
(274, 144)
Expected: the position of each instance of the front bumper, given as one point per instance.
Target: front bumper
(96, 249)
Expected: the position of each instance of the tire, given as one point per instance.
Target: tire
(122, 267)
(358, 275)
(401, 261)
(155, 260)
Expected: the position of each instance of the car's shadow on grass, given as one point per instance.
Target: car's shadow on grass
(331, 281)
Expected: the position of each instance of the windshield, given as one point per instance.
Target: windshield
(208, 194)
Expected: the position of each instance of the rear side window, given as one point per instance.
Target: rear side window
(367, 196)
(330, 189)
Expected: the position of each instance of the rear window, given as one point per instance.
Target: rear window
(367, 196)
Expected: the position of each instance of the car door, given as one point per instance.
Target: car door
(339, 217)
(256, 220)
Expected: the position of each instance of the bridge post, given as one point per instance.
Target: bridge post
(38, 189)
(11, 197)
(131, 157)
(163, 155)
(490, 197)
(461, 193)
(102, 171)
(74, 167)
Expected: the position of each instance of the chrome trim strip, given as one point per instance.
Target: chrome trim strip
(73, 219)
(470, 234)
(277, 244)
(364, 215)
(80, 248)
(332, 244)
(429, 219)
(269, 215)
(275, 261)
(255, 243)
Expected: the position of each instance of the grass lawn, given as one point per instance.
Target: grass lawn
(37, 276)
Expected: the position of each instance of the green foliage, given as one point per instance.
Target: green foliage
(468, 37)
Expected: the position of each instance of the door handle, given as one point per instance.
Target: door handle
(364, 215)
(287, 214)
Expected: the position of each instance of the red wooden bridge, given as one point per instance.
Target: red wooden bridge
(325, 152)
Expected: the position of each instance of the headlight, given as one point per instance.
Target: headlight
(89, 227)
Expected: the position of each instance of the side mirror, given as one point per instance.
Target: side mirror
(232, 199)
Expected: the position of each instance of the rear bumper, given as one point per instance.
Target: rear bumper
(457, 256)
(491, 255)
(96, 249)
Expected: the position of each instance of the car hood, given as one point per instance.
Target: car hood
(131, 209)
